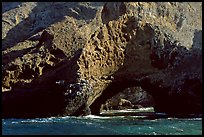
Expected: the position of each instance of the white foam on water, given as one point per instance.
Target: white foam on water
(13, 122)
(172, 118)
(65, 117)
(147, 109)
(163, 114)
(39, 120)
(155, 133)
(176, 128)
(137, 116)
(96, 117)
(193, 118)
(150, 127)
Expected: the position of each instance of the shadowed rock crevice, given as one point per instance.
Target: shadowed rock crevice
(112, 11)
(6, 6)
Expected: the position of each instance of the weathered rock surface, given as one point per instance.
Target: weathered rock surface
(113, 46)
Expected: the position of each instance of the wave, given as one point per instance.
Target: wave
(173, 118)
(71, 118)
(101, 117)
(193, 119)
(146, 109)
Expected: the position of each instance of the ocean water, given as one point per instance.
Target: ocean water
(101, 125)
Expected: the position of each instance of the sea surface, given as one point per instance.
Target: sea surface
(102, 125)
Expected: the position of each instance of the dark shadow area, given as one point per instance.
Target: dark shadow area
(44, 15)
(197, 40)
(6, 6)
(45, 39)
(112, 11)
(11, 56)
(33, 103)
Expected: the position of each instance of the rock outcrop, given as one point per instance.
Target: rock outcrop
(111, 46)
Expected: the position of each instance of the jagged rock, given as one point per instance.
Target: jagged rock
(76, 95)
(112, 45)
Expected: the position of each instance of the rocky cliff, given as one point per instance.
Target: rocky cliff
(50, 49)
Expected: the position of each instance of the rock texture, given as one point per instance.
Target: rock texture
(112, 46)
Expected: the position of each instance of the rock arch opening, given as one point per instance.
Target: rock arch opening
(122, 95)
(167, 99)
(130, 98)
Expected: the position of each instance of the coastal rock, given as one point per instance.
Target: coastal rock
(115, 45)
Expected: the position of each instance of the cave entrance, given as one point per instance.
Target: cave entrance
(122, 95)
(129, 98)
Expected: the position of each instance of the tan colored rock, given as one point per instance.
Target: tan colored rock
(144, 43)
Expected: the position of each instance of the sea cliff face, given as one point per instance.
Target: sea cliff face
(69, 58)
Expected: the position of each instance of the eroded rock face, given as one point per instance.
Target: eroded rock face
(112, 45)
(75, 96)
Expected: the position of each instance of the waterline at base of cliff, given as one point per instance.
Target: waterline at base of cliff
(102, 125)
